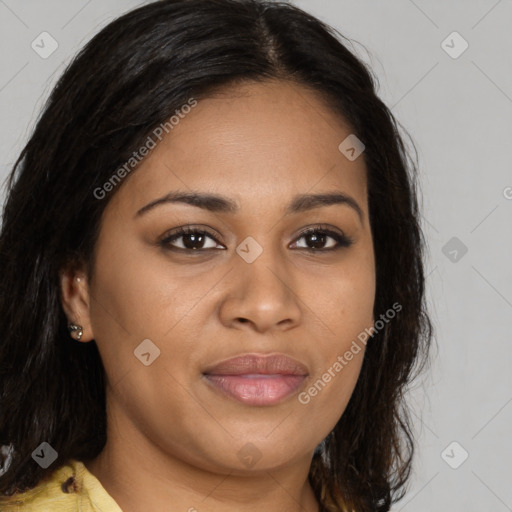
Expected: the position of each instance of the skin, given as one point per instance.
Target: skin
(260, 145)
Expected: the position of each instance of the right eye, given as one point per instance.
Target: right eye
(192, 240)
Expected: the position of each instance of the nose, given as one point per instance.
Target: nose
(263, 294)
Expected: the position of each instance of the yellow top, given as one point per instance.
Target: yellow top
(71, 488)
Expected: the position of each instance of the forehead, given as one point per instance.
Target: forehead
(254, 142)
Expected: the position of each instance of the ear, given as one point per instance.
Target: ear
(75, 299)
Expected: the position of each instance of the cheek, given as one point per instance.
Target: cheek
(138, 295)
(345, 299)
(345, 305)
(339, 361)
(130, 302)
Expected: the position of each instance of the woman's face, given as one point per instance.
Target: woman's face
(250, 286)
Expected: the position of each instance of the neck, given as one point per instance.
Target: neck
(130, 465)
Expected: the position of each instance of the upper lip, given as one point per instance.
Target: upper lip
(250, 364)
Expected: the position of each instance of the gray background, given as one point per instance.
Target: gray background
(459, 113)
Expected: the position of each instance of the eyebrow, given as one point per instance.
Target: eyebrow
(223, 204)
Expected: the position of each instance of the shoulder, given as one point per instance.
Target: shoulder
(68, 489)
(50, 494)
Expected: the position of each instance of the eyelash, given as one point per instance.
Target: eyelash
(343, 241)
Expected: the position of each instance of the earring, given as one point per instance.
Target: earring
(75, 331)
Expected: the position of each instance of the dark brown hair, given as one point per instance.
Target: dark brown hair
(128, 79)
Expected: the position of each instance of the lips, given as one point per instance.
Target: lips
(255, 379)
(254, 363)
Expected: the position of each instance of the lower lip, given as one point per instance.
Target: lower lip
(257, 389)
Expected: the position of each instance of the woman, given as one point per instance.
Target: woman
(212, 280)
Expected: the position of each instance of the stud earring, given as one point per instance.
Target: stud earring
(76, 331)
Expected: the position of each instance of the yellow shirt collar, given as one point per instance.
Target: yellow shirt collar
(70, 488)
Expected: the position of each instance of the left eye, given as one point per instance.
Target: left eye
(317, 236)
